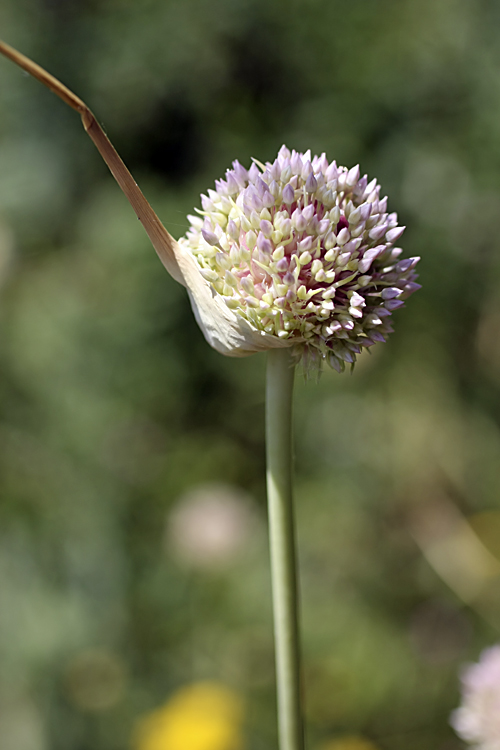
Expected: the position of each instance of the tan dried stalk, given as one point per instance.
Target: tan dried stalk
(161, 240)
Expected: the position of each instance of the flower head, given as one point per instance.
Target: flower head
(303, 252)
(477, 721)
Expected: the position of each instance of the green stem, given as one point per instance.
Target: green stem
(279, 391)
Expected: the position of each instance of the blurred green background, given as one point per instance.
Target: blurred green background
(133, 551)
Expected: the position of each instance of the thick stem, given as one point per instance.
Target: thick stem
(280, 374)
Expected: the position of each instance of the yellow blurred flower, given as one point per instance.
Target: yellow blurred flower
(203, 716)
(349, 743)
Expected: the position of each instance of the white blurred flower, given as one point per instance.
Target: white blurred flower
(477, 721)
(210, 525)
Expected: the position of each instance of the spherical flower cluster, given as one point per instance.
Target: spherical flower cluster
(303, 250)
(478, 719)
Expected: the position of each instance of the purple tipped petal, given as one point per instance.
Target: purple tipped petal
(305, 244)
(274, 189)
(382, 312)
(232, 185)
(240, 173)
(306, 169)
(374, 252)
(253, 173)
(275, 171)
(288, 194)
(320, 164)
(353, 176)
(233, 231)
(352, 245)
(282, 265)
(299, 221)
(406, 264)
(221, 187)
(366, 209)
(296, 163)
(377, 232)
(393, 304)
(382, 205)
(376, 336)
(361, 186)
(286, 171)
(308, 212)
(206, 203)
(357, 300)
(261, 186)
(266, 227)
(368, 258)
(268, 200)
(364, 264)
(391, 292)
(332, 172)
(370, 187)
(210, 237)
(393, 235)
(255, 202)
(411, 287)
(264, 244)
(311, 184)
(343, 236)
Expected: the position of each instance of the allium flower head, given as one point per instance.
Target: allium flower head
(303, 252)
(477, 721)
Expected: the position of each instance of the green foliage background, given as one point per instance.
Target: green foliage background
(112, 404)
